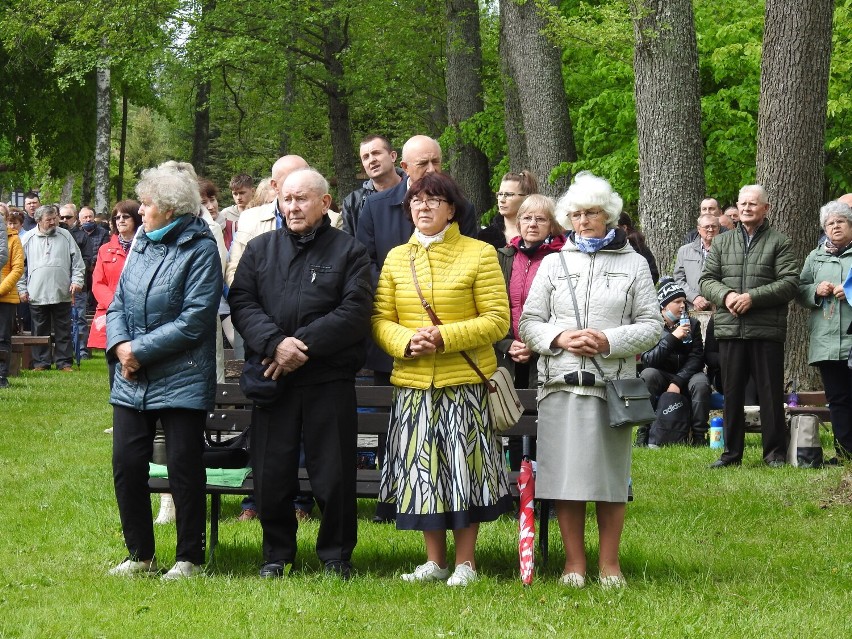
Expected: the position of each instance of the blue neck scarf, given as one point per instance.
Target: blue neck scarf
(593, 244)
(157, 236)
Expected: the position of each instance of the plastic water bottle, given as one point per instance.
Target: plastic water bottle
(794, 396)
(684, 321)
(716, 438)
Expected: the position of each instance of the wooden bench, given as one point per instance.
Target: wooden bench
(811, 403)
(232, 414)
(21, 356)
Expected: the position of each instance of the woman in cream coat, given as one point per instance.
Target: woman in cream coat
(444, 468)
(580, 458)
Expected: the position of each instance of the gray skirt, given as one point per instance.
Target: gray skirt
(580, 457)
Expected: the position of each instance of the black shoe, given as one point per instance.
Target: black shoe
(721, 463)
(339, 567)
(775, 463)
(699, 440)
(273, 569)
(378, 519)
(642, 436)
(4, 383)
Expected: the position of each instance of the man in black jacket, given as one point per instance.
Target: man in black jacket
(377, 158)
(676, 363)
(302, 299)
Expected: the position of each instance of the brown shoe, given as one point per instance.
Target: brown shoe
(67, 369)
(247, 515)
(39, 369)
(302, 515)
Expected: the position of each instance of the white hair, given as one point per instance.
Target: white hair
(834, 209)
(762, 196)
(172, 186)
(588, 191)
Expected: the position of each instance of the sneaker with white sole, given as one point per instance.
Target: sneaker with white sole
(130, 567)
(430, 571)
(463, 575)
(573, 580)
(182, 570)
(613, 582)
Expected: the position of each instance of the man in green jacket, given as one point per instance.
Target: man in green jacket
(751, 275)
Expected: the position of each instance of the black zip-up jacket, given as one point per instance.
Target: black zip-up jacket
(316, 288)
(676, 358)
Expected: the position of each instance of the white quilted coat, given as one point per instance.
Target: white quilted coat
(615, 294)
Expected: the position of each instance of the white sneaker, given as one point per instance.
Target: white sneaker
(129, 568)
(613, 582)
(182, 570)
(463, 575)
(167, 510)
(430, 571)
(573, 580)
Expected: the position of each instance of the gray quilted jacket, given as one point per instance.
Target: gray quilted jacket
(615, 294)
(166, 306)
(4, 245)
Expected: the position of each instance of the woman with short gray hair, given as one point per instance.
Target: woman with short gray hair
(821, 291)
(161, 326)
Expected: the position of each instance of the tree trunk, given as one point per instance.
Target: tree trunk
(512, 120)
(201, 128)
(67, 194)
(791, 139)
(336, 39)
(668, 123)
(122, 148)
(86, 183)
(103, 105)
(535, 65)
(467, 164)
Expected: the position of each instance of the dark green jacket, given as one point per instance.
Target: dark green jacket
(766, 270)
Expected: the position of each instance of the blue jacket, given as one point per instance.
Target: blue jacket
(166, 305)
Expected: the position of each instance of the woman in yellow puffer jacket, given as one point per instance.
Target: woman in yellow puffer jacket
(9, 300)
(443, 466)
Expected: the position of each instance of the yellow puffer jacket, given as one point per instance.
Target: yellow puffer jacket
(12, 271)
(461, 279)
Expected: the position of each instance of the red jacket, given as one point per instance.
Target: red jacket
(110, 262)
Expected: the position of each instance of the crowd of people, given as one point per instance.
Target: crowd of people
(403, 281)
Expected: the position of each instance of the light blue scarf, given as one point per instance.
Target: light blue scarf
(593, 244)
(159, 234)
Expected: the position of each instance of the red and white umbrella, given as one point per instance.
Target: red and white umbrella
(526, 521)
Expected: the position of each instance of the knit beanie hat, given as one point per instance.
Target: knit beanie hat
(668, 292)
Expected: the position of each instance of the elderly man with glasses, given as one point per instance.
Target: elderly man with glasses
(690, 261)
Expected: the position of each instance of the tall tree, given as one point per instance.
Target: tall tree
(535, 66)
(791, 135)
(668, 122)
(103, 132)
(467, 163)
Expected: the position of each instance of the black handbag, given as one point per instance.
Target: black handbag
(628, 399)
(230, 453)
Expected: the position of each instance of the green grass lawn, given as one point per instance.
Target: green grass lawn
(748, 552)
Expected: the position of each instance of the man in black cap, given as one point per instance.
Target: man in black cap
(676, 363)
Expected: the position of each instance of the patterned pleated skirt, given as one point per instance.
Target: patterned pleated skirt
(444, 467)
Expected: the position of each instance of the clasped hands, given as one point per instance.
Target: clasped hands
(425, 341)
(587, 342)
(828, 289)
(738, 303)
(290, 354)
(129, 364)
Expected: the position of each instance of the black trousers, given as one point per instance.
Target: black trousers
(324, 417)
(57, 318)
(133, 442)
(837, 381)
(764, 360)
(7, 324)
(697, 390)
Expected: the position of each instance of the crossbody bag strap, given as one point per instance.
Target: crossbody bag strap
(437, 321)
(577, 308)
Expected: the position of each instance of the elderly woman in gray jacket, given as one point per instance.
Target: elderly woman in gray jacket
(161, 326)
(580, 458)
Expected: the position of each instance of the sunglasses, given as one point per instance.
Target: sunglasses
(66, 217)
(123, 217)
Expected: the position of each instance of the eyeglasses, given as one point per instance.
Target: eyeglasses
(537, 221)
(506, 194)
(123, 216)
(431, 202)
(591, 216)
(710, 227)
(66, 217)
